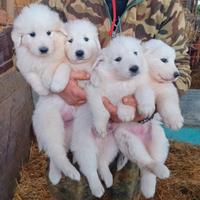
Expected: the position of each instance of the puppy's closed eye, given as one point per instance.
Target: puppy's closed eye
(70, 41)
(164, 60)
(86, 39)
(32, 34)
(118, 59)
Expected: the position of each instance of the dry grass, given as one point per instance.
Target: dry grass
(33, 183)
(184, 183)
(196, 80)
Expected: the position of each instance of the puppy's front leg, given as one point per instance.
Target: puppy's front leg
(125, 113)
(47, 75)
(168, 108)
(60, 78)
(145, 98)
(34, 80)
(100, 115)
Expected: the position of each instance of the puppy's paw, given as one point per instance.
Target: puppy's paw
(148, 185)
(54, 176)
(108, 180)
(58, 86)
(160, 170)
(46, 79)
(100, 123)
(101, 129)
(121, 161)
(42, 91)
(106, 176)
(72, 173)
(146, 110)
(125, 113)
(148, 191)
(174, 122)
(97, 189)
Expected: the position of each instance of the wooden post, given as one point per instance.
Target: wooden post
(15, 119)
(10, 7)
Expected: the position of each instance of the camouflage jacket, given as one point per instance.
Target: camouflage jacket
(144, 19)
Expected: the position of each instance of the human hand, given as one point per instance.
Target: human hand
(112, 109)
(73, 94)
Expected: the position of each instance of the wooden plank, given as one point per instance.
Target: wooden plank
(15, 128)
(6, 50)
(190, 106)
(10, 7)
(3, 17)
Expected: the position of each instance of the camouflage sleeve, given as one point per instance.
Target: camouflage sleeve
(56, 5)
(172, 31)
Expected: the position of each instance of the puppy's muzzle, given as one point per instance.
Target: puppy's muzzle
(43, 50)
(134, 69)
(79, 54)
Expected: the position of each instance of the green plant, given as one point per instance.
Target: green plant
(198, 9)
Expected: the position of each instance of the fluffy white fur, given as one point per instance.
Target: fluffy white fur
(147, 142)
(163, 71)
(49, 71)
(147, 145)
(50, 128)
(122, 71)
(38, 28)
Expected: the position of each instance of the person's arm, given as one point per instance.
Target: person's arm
(172, 31)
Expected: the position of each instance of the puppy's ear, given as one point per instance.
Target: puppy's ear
(62, 28)
(16, 37)
(98, 42)
(96, 35)
(151, 45)
(99, 59)
(145, 66)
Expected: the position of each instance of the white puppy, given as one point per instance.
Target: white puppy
(40, 45)
(163, 72)
(122, 71)
(38, 36)
(39, 39)
(150, 137)
(82, 49)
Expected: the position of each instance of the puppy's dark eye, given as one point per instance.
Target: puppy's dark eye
(48, 32)
(32, 34)
(118, 59)
(86, 39)
(70, 41)
(135, 52)
(164, 60)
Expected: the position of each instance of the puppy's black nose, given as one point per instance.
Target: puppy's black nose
(134, 69)
(176, 74)
(79, 53)
(43, 50)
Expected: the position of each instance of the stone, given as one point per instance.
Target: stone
(125, 186)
